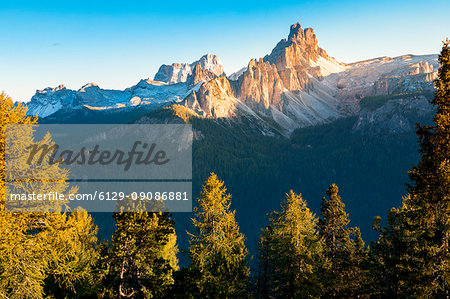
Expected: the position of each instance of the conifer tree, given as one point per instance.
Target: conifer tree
(9, 114)
(12, 236)
(41, 250)
(217, 250)
(73, 256)
(142, 254)
(427, 206)
(343, 247)
(290, 252)
(388, 257)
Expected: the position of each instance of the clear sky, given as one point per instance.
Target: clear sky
(115, 44)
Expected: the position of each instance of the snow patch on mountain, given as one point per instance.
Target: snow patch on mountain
(181, 72)
(48, 101)
(298, 84)
(172, 84)
(234, 76)
(328, 65)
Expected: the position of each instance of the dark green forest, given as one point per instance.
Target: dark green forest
(328, 213)
(259, 169)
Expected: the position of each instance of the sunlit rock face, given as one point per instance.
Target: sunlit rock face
(298, 84)
(285, 85)
(171, 85)
(382, 76)
(49, 100)
(206, 68)
(215, 98)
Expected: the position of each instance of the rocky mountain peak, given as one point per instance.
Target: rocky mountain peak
(214, 98)
(185, 72)
(211, 63)
(296, 85)
(87, 86)
(201, 74)
(284, 85)
(298, 34)
(301, 45)
(50, 89)
(277, 80)
(296, 31)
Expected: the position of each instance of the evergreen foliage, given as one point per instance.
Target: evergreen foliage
(42, 253)
(427, 206)
(342, 247)
(388, 257)
(142, 255)
(217, 250)
(290, 252)
(56, 254)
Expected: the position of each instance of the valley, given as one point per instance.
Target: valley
(295, 119)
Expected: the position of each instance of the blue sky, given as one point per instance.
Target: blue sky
(115, 44)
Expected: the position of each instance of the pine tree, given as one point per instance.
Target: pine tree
(142, 254)
(427, 206)
(343, 247)
(389, 258)
(290, 252)
(217, 251)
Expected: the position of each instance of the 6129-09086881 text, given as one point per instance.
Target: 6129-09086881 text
(52, 196)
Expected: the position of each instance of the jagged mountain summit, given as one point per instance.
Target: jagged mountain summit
(278, 86)
(171, 85)
(298, 84)
(147, 92)
(206, 68)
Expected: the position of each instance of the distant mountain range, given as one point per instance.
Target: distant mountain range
(295, 119)
(297, 85)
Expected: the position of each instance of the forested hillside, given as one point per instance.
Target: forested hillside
(370, 168)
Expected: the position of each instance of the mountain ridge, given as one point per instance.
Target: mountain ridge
(297, 85)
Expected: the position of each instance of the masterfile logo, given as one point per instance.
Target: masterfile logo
(84, 156)
(101, 165)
